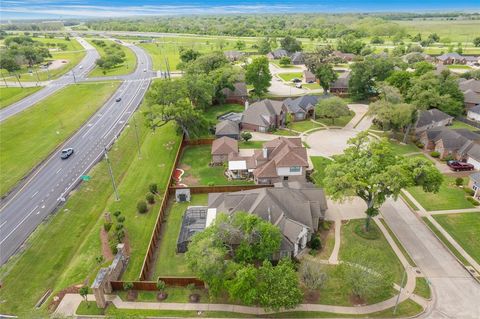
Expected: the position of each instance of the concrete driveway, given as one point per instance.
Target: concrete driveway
(329, 142)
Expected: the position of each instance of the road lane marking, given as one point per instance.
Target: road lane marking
(34, 194)
(58, 171)
(18, 225)
(3, 224)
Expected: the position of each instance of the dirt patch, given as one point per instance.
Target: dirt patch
(106, 251)
(311, 296)
(357, 301)
(190, 180)
(126, 242)
(59, 296)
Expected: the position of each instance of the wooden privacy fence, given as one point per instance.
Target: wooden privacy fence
(152, 285)
(149, 259)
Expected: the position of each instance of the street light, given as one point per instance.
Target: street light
(117, 197)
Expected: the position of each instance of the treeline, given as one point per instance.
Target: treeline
(33, 26)
(299, 25)
(20, 51)
(436, 15)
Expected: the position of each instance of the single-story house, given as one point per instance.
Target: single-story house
(474, 113)
(221, 147)
(472, 155)
(233, 55)
(295, 208)
(474, 183)
(347, 57)
(471, 91)
(302, 107)
(432, 118)
(340, 86)
(264, 115)
(238, 95)
(277, 54)
(309, 77)
(450, 58)
(471, 98)
(297, 58)
(227, 128)
(449, 142)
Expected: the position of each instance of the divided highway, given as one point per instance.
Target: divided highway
(48, 186)
(78, 73)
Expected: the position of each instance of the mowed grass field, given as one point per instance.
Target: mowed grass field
(62, 251)
(10, 95)
(29, 136)
(455, 31)
(127, 67)
(465, 229)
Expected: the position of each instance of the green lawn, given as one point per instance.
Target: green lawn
(284, 132)
(290, 76)
(72, 45)
(302, 126)
(169, 263)
(11, 95)
(458, 124)
(250, 144)
(30, 136)
(62, 251)
(214, 111)
(464, 228)
(448, 197)
(319, 164)
(422, 288)
(335, 292)
(127, 67)
(459, 66)
(341, 121)
(311, 86)
(195, 162)
(402, 149)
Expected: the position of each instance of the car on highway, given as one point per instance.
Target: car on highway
(118, 99)
(80, 67)
(66, 153)
(144, 70)
(460, 166)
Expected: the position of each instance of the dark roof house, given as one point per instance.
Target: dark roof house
(432, 118)
(233, 55)
(297, 58)
(238, 95)
(227, 128)
(263, 115)
(277, 54)
(302, 107)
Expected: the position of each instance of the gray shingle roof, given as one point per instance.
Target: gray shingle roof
(297, 57)
(301, 104)
(259, 113)
(341, 82)
(471, 97)
(475, 109)
(451, 55)
(475, 177)
(227, 127)
(431, 116)
(471, 84)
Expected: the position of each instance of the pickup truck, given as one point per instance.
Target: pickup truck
(460, 166)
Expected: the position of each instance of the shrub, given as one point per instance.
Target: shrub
(246, 136)
(99, 259)
(120, 235)
(128, 285)
(419, 144)
(120, 219)
(117, 213)
(448, 158)
(473, 200)
(118, 226)
(150, 198)
(161, 285)
(142, 207)
(107, 226)
(435, 154)
(315, 242)
(326, 225)
(153, 188)
(459, 181)
(469, 191)
(113, 245)
(211, 184)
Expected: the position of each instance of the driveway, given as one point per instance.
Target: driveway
(329, 142)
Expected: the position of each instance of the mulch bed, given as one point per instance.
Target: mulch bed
(59, 296)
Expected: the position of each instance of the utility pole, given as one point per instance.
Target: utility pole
(4, 80)
(74, 78)
(18, 78)
(400, 292)
(117, 198)
(136, 135)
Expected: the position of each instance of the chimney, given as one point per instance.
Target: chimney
(265, 153)
(246, 105)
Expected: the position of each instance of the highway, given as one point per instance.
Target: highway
(49, 185)
(78, 73)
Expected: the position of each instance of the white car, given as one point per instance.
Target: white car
(298, 85)
(80, 67)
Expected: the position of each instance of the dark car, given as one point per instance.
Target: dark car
(66, 153)
(118, 99)
(460, 166)
(296, 80)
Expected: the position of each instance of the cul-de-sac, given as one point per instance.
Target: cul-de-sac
(239, 159)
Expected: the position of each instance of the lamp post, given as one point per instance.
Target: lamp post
(117, 197)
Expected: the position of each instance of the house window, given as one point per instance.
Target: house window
(285, 178)
(295, 169)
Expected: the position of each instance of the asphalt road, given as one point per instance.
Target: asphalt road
(78, 73)
(455, 293)
(48, 186)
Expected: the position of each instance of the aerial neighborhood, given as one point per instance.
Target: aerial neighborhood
(173, 164)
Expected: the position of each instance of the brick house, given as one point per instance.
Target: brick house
(430, 119)
(222, 147)
(264, 115)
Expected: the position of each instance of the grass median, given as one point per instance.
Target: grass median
(10, 95)
(31, 135)
(127, 67)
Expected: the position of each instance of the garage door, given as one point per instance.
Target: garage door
(474, 162)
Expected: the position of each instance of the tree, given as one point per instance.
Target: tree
(285, 60)
(142, 207)
(200, 89)
(364, 275)
(240, 45)
(476, 42)
(84, 293)
(290, 44)
(258, 74)
(312, 274)
(264, 46)
(8, 63)
(153, 188)
(150, 198)
(422, 67)
(326, 75)
(246, 136)
(243, 286)
(332, 108)
(188, 55)
(417, 38)
(189, 120)
(402, 80)
(366, 73)
(370, 170)
(350, 44)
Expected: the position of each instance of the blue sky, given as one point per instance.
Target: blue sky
(14, 9)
